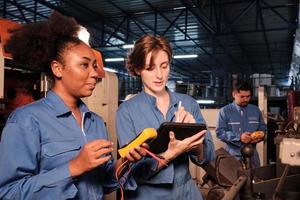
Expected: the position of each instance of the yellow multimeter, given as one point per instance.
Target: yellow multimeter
(145, 135)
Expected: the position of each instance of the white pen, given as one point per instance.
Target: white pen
(179, 106)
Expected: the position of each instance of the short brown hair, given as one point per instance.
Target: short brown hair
(137, 57)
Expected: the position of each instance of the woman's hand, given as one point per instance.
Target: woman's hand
(183, 116)
(92, 155)
(137, 153)
(178, 147)
(133, 155)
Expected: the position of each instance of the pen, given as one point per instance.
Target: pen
(179, 106)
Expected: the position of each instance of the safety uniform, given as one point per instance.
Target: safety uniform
(233, 120)
(38, 142)
(172, 182)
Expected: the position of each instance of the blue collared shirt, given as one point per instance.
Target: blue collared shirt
(174, 181)
(234, 120)
(38, 142)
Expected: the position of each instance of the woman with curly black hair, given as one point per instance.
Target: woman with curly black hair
(55, 148)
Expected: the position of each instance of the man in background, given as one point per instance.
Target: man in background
(237, 122)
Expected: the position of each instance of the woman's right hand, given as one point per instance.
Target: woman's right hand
(93, 154)
(178, 147)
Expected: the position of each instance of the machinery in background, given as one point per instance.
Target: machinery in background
(5, 25)
(230, 179)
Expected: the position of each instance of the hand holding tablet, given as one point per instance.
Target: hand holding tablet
(181, 131)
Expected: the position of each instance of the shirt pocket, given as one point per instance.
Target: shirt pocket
(59, 152)
(253, 125)
(234, 126)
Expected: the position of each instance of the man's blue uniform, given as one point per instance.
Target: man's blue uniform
(234, 120)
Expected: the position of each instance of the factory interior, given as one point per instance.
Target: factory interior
(216, 44)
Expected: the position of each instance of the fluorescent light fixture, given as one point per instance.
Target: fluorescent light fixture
(83, 35)
(114, 59)
(179, 8)
(128, 46)
(179, 82)
(17, 69)
(185, 56)
(205, 101)
(110, 70)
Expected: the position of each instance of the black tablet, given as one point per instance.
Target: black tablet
(181, 130)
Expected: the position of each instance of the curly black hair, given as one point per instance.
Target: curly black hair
(36, 45)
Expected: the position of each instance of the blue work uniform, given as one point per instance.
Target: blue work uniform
(234, 120)
(38, 142)
(172, 182)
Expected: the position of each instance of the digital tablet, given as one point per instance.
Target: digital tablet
(181, 130)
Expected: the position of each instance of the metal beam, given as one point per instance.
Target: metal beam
(95, 15)
(232, 30)
(137, 22)
(265, 35)
(80, 7)
(14, 2)
(4, 9)
(20, 10)
(141, 28)
(115, 31)
(35, 11)
(213, 34)
(241, 14)
(182, 31)
(278, 14)
(155, 23)
(173, 22)
(258, 31)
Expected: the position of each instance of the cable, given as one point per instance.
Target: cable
(160, 160)
(123, 166)
(118, 172)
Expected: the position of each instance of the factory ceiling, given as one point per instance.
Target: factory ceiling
(241, 37)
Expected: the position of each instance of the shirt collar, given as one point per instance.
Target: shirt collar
(59, 106)
(239, 108)
(174, 100)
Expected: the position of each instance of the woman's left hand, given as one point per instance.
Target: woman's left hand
(178, 147)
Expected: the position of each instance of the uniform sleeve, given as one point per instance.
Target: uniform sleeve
(224, 133)
(209, 149)
(20, 177)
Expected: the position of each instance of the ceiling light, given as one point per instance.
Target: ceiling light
(114, 59)
(110, 70)
(185, 56)
(84, 35)
(205, 101)
(128, 46)
(179, 8)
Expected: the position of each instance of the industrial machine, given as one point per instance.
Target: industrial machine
(230, 179)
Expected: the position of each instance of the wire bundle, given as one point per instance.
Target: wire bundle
(127, 163)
